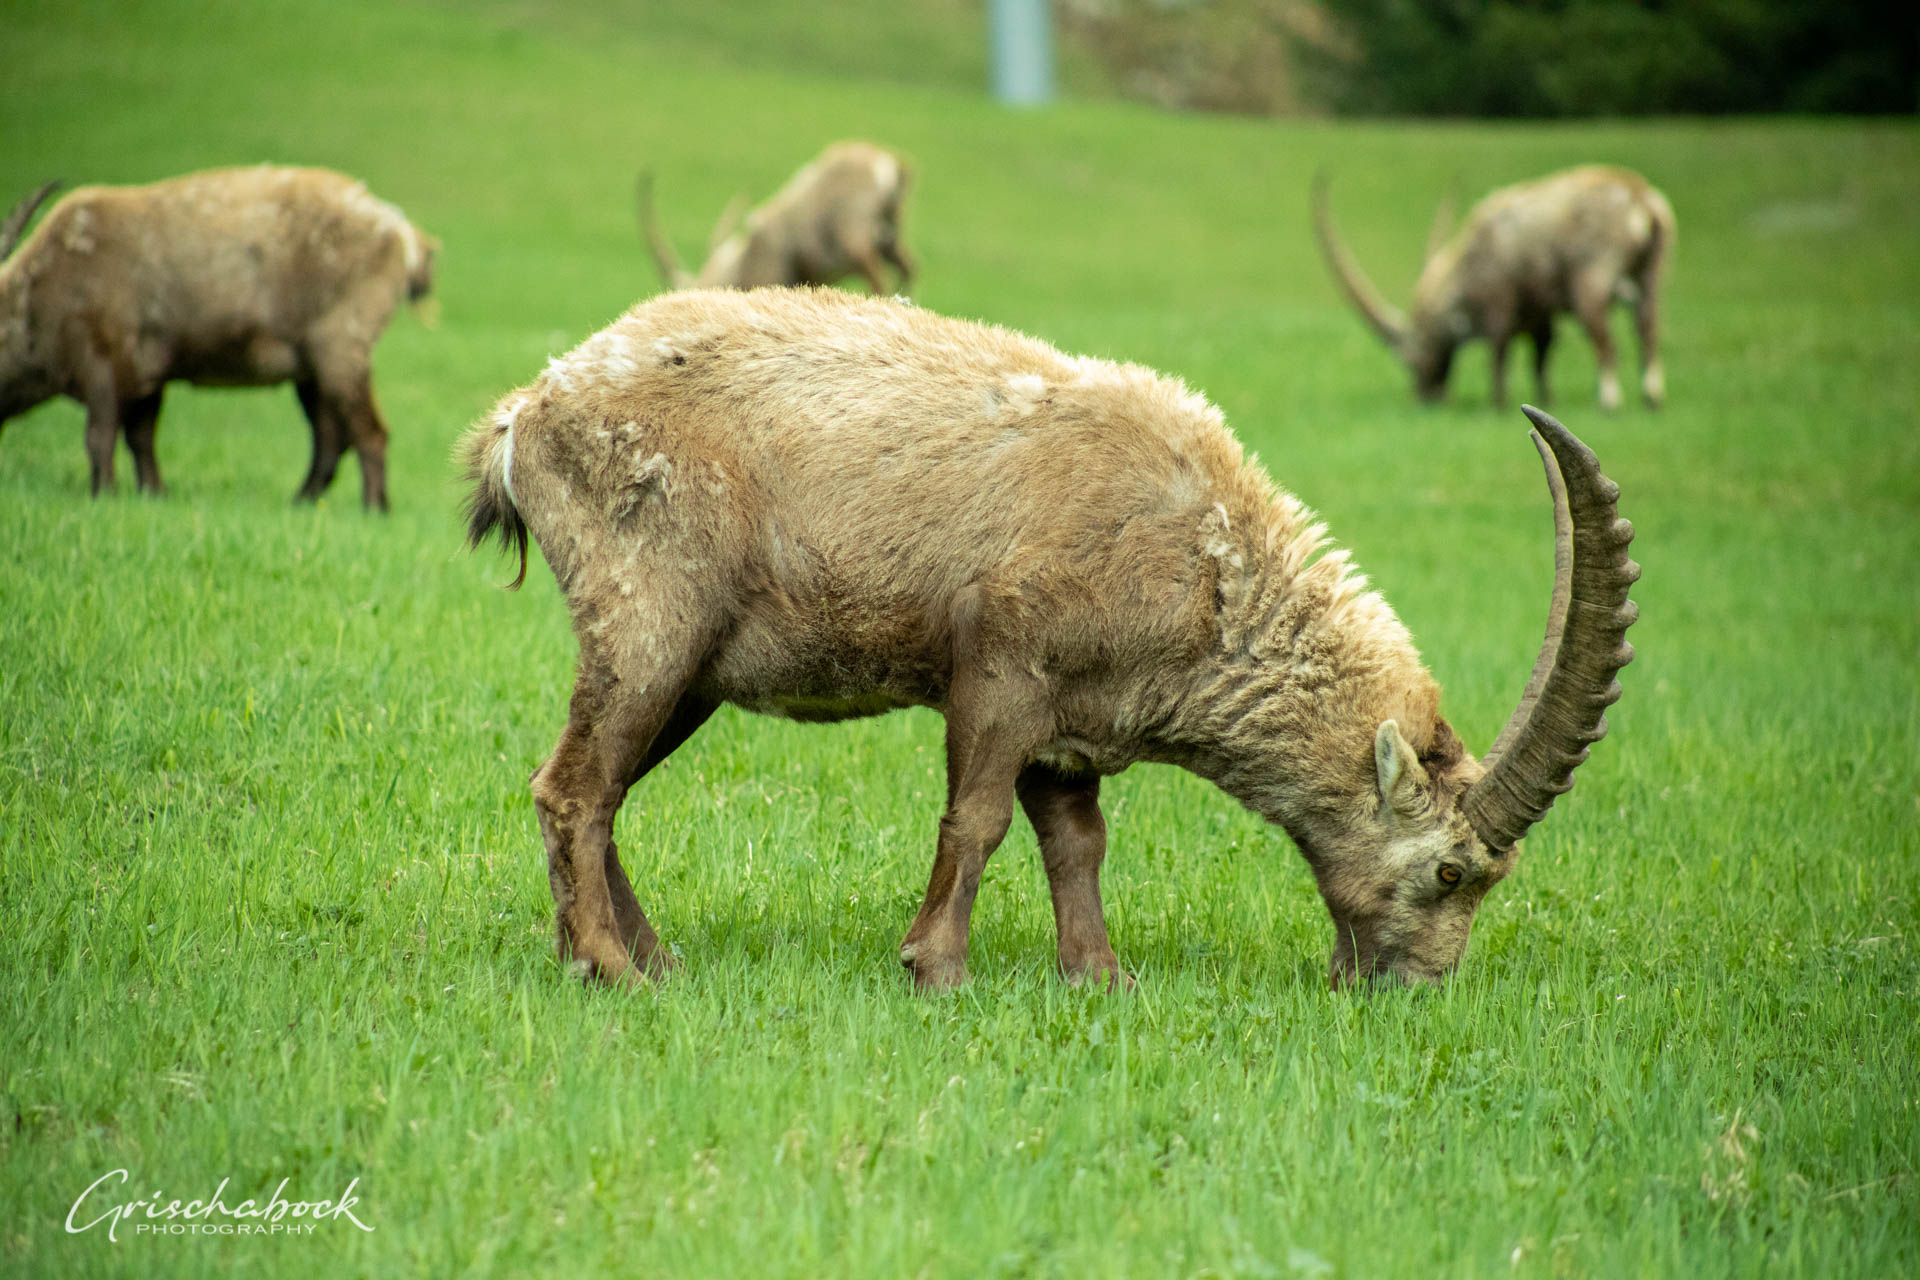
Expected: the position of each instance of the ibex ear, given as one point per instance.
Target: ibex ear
(1403, 783)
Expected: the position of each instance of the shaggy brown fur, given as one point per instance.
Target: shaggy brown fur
(1577, 241)
(230, 277)
(838, 216)
(819, 506)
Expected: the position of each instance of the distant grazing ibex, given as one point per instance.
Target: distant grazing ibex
(838, 216)
(1577, 241)
(821, 506)
(229, 277)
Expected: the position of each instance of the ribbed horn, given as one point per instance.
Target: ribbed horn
(22, 214)
(1563, 711)
(673, 272)
(729, 222)
(1386, 320)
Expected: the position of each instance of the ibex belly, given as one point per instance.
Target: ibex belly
(819, 660)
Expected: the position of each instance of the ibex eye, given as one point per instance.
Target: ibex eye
(1449, 874)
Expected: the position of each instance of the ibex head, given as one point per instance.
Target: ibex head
(23, 382)
(1425, 340)
(1404, 881)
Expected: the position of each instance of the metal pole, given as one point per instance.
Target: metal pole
(1021, 35)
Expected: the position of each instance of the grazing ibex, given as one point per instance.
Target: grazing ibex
(821, 506)
(229, 277)
(838, 216)
(1576, 241)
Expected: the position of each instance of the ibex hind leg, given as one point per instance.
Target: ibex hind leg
(343, 378)
(1498, 362)
(1646, 322)
(1541, 334)
(329, 436)
(865, 253)
(896, 253)
(641, 942)
(367, 431)
(142, 418)
(867, 261)
(629, 711)
(1592, 298)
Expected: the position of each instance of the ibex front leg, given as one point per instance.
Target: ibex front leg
(1065, 812)
(992, 729)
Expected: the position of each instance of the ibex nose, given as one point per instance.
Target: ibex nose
(1345, 972)
(1340, 976)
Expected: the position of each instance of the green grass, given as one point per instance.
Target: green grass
(272, 887)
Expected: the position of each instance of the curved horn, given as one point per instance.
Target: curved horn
(729, 221)
(1387, 320)
(1562, 712)
(22, 214)
(673, 272)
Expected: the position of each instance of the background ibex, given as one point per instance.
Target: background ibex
(821, 506)
(229, 277)
(838, 216)
(1576, 241)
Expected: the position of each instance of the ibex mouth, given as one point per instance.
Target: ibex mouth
(1382, 975)
(1347, 971)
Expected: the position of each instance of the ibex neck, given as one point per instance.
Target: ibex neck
(20, 376)
(1308, 662)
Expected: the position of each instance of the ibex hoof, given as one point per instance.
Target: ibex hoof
(659, 963)
(1104, 975)
(623, 970)
(932, 972)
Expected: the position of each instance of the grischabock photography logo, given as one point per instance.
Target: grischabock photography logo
(154, 1215)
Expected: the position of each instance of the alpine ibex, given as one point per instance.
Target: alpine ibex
(229, 277)
(1576, 241)
(822, 506)
(838, 216)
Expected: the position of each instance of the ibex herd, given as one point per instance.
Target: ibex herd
(819, 506)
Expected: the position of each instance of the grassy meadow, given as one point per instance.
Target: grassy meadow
(273, 895)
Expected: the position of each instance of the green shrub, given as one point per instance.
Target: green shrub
(1614, 57)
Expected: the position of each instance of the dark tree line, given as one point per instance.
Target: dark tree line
(1617, 57)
